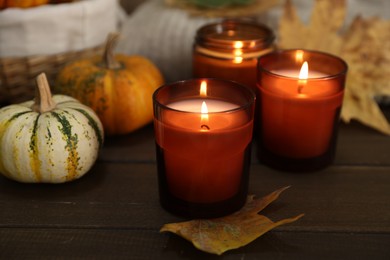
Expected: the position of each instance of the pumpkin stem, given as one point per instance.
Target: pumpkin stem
(108, 55)
(43, 101)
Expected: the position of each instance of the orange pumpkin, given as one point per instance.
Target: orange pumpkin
(21, 3)
(118, 88)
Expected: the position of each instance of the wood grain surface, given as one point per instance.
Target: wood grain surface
(114, 212)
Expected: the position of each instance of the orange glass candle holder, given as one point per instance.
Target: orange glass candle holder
(230, 49)
(203, 132)
(301, 94)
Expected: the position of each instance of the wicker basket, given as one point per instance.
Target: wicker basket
(45, 38)
(17, 75)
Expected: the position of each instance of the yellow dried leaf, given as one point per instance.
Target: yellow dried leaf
(365, 46)
(326, 19)
(218, 235)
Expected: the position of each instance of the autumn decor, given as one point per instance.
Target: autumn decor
(118, 87)
(219, 235)
(49, 139)
(364, 45)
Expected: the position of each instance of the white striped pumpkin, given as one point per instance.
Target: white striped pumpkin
(56, 144)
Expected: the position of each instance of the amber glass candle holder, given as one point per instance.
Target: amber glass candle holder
(230, 49)
(299, 109)
(203, 131)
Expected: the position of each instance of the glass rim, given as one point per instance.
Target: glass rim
(287, 52)
(179, 83)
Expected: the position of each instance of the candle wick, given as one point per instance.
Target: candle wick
(301, 84)
(300, 87)
(205, 127)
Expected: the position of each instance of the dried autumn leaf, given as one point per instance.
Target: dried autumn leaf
(365, 46)
(326, 19)
(218, 235)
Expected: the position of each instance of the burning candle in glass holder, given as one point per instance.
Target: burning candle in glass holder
(230, 49)
(301, 95)
(203, 131)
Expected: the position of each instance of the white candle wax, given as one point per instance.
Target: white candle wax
(295, 73)
(215, 119)
(194, 105)
(316, 84)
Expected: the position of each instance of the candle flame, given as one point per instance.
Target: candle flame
(203, 88)
(303, 75)
(304, 72)
(204, 118)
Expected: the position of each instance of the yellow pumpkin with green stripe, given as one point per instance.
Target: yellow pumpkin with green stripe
(53, 139)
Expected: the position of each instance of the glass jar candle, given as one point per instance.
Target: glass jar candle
(230, 49)
(203, 131)
(300, 98)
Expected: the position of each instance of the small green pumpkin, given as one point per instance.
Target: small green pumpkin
(49, 140)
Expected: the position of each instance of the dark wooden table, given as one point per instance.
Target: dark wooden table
(113, 211)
